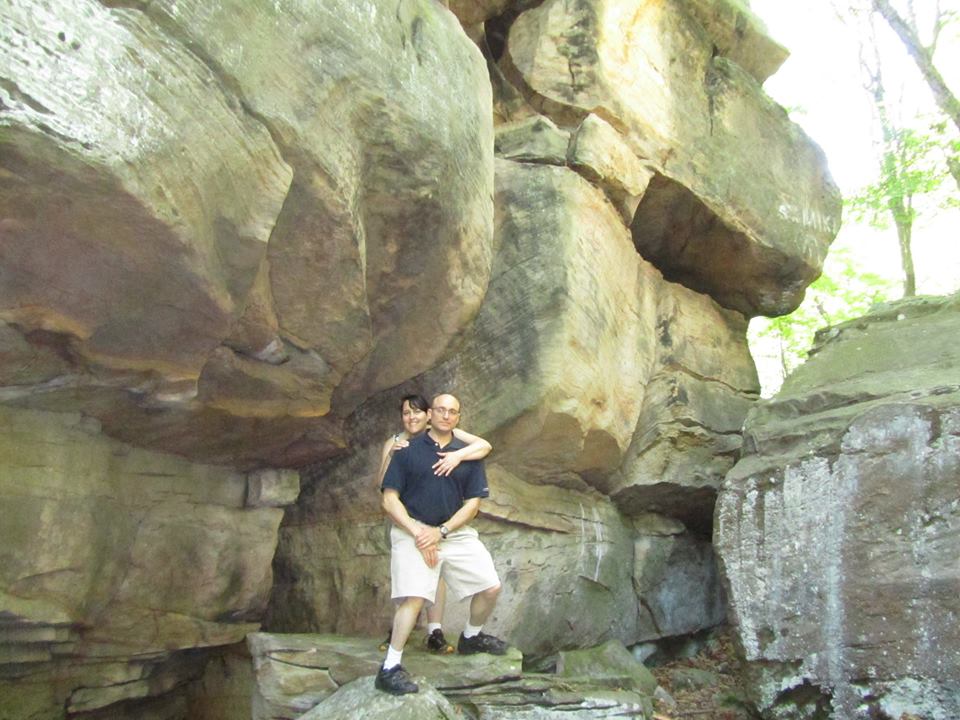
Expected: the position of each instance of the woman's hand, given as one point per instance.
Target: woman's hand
(398, 444)
(447, 463)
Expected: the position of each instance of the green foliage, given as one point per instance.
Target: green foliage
(912, 166)
(841, 293)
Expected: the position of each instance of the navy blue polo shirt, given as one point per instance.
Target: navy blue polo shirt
(433, 499)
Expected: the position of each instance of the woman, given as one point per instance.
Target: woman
(413, 414)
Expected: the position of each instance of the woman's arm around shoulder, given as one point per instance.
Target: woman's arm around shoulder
(390, 446)
(476, 449)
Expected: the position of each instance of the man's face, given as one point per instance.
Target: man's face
(445, 413)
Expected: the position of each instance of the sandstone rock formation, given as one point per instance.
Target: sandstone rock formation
(114, 562)
(316, 677)
(837, 530)
(569, 301)
(195, 192)
(232, 234)
(724, 215)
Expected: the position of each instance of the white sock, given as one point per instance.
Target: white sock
(471, 630)
(433, 626)
(393, 658)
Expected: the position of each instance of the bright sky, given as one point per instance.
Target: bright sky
(820, 85)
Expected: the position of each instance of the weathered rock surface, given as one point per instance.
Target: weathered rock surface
(739, 35)
(688, 433)
(296, 672)
(239, 231)
(360, 699)
(601, 155)
(533, 139)
(471, 12)
(838, 529)
(332, 677)
(557, 551)
(225, 689)
(549, 697)
(746, 222)
(570, 303)
(610, 660)
(195, 192)
(113, 559)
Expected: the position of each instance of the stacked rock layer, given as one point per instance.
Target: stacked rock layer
(232, 234)
(838, 529)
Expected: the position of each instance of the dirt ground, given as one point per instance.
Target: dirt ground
(707, 686)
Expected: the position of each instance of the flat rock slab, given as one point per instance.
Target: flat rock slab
(551, 697)
(359, 699)
(294, 673)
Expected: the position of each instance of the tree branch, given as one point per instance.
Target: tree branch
(944, 98)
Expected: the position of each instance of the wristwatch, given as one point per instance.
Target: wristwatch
(444, 531)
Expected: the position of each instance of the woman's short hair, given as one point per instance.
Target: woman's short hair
(417, 402)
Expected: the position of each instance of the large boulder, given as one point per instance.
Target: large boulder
(575, 571)
(688, 434)
(739, 35)
(316, 677)
(208, 212)
(113, 560)
(838, 529)
(296, 673)
(570, 306)
(746, 222)
(360, 699)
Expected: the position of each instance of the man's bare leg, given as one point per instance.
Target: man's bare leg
(404, 620)
(473, 640)
(392, 678)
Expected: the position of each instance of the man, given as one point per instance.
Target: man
(431, 538)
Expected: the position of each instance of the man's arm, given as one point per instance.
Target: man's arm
(391, 504)
(477, 449)
(430, 536)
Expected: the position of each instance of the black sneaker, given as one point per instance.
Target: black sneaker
(386, 643)
(395, 681)
(481, 643)
(437, 643)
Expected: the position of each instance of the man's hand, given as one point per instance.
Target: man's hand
(431, 556)
(446, 464)
(427, 537)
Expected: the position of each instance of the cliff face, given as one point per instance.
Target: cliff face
(213, 213)
(234, 233)
(838, 528)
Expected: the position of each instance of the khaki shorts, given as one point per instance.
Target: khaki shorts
(465, 565)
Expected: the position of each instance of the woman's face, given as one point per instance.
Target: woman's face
(414, 420)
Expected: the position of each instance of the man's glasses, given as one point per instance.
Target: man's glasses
(446, 412)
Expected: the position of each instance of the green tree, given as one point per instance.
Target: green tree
(911, 161)
(842, 292)
(909, 169)
(907, 28)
